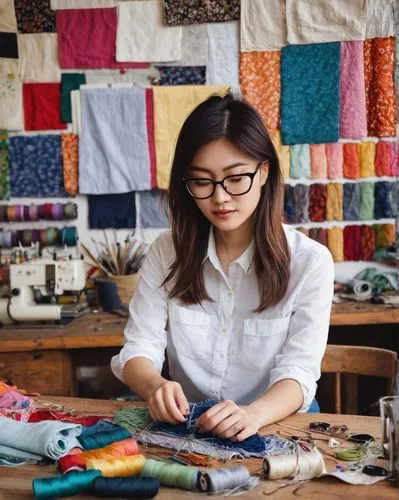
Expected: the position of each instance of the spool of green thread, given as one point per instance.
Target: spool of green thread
(175, 475)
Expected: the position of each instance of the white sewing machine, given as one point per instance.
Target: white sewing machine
(41, 280)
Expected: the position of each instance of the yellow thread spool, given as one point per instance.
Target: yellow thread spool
(118, 467)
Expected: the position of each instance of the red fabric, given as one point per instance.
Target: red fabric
(351, 160)
(88, 420)
(352, 235)
(384, 153)
(367, 243)
(87, 39)
(151, 137)
(42, 106)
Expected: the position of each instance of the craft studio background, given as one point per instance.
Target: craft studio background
(93, 94)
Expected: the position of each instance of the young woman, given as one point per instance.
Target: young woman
(239, 301)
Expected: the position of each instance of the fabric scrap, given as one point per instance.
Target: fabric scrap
(200, 11)
(385, 235)
(11, 107)
(152, 209)
(116, 211)
(182, 75)
(335, 160)
(283, 154)
(366, 210)
(351, 203)
(39, 57)
(5, 185)
(384, 158)
(335, 243)
(319, 234)
(334, 201)
(380, 18)
(383, 200)
(367, 243)
(194, 47)
(367, 159)
(8, 45)
(8, 20)
(223, 53)
(81, 4)
(9, 69)
(318, 202)
(42, 106)
(70, 162)
(289, 204)
(351, 160)
(69, 82)
(318, 161)
(301, 200)
(300, 161)
(352, 236)
(34, 17)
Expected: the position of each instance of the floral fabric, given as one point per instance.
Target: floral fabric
(200, 11)
(182, 75)
(70, 162)
(4, 166)
(34, 16)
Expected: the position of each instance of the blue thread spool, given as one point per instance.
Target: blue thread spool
(125, 487)
(218, 480)
(101, 439)
(64, 486)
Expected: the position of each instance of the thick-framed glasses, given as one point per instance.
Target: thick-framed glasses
(201, 188)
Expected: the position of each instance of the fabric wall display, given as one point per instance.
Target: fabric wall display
(87, 39)
(300, 161)
(35, 164)
(351, 160)
(311, 21)
(116, 211)
(301, 200)
(113, 149)
(385, 235)
(367, 243)
(261, 84)
(289, 203)
(70, 162)
(34, 17)
(384, 158)
(310, 104)
(81, 4)
(351, 202)
(318, 202)
(8, 20)
(182, 75)
(200, 11)
(334, 201)
(223, 53)
(69, 82)
(383, 206)
(379, 82)
(353, 115)
(4, 166)
(172, 105)
(8, 45)
(283, 154)
(150, 40)
(263, 25)
(42, 106)
(335, 160)
(366, 210)
(11, 108)
(367, 158)
(318, 161)
(352, 236)
(152, 213)
(319, 234)
(335, 243)
(380, 18)
(39, 57)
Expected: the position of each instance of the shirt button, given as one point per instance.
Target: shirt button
(224, 330)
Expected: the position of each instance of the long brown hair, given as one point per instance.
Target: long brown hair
(237, 121)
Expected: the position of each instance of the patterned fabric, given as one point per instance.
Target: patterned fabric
(34, 16)
(182, 75)
(261, 85)
(36, 166)
(200, 11)
(70, 162)
(4, 166)
(42, 103)
(379, 80)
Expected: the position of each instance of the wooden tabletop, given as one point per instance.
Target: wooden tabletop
(16, 482)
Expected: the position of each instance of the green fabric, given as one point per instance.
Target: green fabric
(382, 281)
(366, 211)
(69, 82)
(4, 166)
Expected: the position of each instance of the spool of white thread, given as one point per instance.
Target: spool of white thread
(302, 466)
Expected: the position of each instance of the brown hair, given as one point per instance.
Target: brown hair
(237, 121)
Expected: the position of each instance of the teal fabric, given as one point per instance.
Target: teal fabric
(310, 93)
(69, 82)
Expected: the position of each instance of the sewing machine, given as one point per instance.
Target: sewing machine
(34, 287)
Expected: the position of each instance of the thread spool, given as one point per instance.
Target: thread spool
(51, 236)
(26, 237)
(64, 486)
(33, 212)
(3, 213)
(26, 213)
(105, 438)
(129, 487)
(218, 480)
(301, 466)
(118, 467)
(70, 211)
(175, 475)
(57, 211)
(361, 288)
(40, 211)
(67, 236)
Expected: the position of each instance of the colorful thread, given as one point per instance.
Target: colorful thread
(118, 467)
(64, 486)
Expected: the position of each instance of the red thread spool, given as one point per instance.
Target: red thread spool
(48, 211)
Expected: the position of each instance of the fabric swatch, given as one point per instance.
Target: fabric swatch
(81, 4)
(149, 98)
(182, 75)
(335, 160)
(335, 243)
(9, 69)
(353, 114)
(367, 243)
(223, 53)
(116, 211)
(318, 161)
(319, 234)
(261, 84)
(301, 200)
(352, 235)
(42, 106)
(4, 166)
(312, 21)
(384, 158)
(380, 18)
(11, 108)
(318, 202)
(385, 235)
(39, 57)
(396, 72)
(351, 203)
(367, 157)
(113, 150)
(300, 161)
(148, 41)
(87, 39)
(69, 82)
(8, 45)
(283, 154)
(135, 76)
(289, 204)
(152, 213)
(8, 20)
(383, 206)
(351, 160)
(263, 25)
(34, 17)
(200, 11)
(310, 104)
(366, 210)
(334, 201)
(379, 82)
(70, 162)
(172, 105)
(194, 47)
(36, 168)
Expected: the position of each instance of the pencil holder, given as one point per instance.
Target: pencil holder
(126, 285)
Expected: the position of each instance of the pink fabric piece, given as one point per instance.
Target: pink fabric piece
(87, 39)
(15, 405)
(335, 160)
(353, 111)
(318, 161)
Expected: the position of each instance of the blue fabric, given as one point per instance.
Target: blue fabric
(351, 201)
(310, 93)
(182, 75)
(152, 209)
(116, 211)
(383, 202)
(314, 407)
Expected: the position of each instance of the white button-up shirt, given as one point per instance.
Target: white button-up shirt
(223, 349)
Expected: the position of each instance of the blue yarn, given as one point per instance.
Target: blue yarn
(383, 203)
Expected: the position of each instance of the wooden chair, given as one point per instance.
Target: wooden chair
(359, 360)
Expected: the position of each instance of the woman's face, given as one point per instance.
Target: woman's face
(215, 161)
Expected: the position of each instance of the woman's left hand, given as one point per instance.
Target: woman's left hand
(228, 420)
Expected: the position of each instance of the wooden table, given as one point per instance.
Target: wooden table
(15, 483)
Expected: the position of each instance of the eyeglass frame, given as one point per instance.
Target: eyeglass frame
(251, 175)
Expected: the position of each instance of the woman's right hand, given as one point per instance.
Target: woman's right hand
(168, 403)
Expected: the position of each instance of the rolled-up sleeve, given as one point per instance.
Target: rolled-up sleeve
(145, 332)
(308, 330)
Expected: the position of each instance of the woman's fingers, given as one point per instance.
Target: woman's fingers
(163, 403)
(211, 419)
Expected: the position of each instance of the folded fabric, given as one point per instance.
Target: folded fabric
(4, 166)
(310, 21)
(383, 202)
(318, 202)
(385, 235)
(223, 53)
(116, 211)
(335, 160)
(39, 57)
(335, 243)
(318, 161)
(380, 18)
(81, 4)
(353, 113)
(8, 21)
(300, 161)
(367, 157)
(70, 162)
(319, 234)
(261, 84)
(384, 158)
(200, 11)
(283, 154)
(194, 47)
(182, 75)
(263, 25)
(396, 71)
(351, 202)
(34, 17)
(152, 209)
(351, 160)
(352, 235)
(42, 106)
(113, 150)
(87, 39)
(334, 201)
(301, 200)
(11, 107)
(366, 209)
(367, 243)
(289, 203)
(310, 104)
(134, 76)
(8, 45)
(69, 82)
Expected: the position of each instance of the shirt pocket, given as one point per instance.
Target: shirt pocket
(262, 340)
(190, 331)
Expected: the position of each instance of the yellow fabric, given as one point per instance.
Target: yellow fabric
(367, 157)
(334, 201)
(335, 242)
(172, 105)
(283, 154)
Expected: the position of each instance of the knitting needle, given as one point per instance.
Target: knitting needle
(95, 261)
